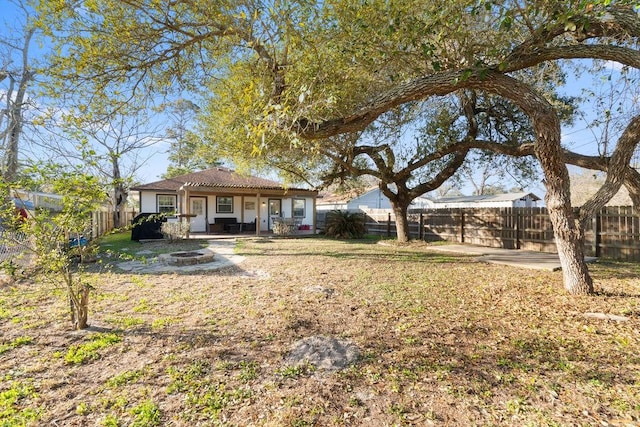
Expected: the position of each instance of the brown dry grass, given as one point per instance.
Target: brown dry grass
(444, 341)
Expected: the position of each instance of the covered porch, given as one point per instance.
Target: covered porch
(214, 210)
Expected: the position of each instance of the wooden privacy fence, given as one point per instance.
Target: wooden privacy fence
(102, 222)
(613, 233)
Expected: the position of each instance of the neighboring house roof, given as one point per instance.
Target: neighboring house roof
(343, 198)
(506, 197)
(332, 199)
(218, 177)
(422, 200)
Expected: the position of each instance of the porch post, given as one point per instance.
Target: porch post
(315, 214)
(180, 195)
(258, 221)
(187, 211)
(241, 212)
(186, 207)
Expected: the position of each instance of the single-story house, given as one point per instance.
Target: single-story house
(507, 200)
(372, 198)
(220, 199)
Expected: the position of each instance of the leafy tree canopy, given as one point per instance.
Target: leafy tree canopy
(290, 75)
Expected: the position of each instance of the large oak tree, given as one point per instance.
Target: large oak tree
(283, 75)
(410, 150)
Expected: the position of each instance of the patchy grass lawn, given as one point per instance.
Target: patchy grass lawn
(119, 245)
(443, 340)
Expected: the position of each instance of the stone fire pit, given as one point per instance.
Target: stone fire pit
(219, 254)
(186, 257)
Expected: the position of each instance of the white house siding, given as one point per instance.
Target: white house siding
(373, 199)
(148, 204)
(287, 209)
(331, 207)
(239, 211)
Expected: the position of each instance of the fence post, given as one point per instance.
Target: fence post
(94, 225)
(596, 235)
(462, 225)
(420, 229)
(365, 222)
(389, 224)
(517, 219)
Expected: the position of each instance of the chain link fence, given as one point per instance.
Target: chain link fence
(12, 246)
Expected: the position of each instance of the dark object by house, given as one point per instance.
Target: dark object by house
(230, 225)
(249, 226)
(227, 225)
(147, 226)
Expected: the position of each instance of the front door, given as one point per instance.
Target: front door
(198, 207)
(275, 211)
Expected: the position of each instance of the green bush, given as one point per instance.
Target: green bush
(345, 225)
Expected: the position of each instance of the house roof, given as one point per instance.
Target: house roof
(506, 197)
(345, 197)
(218, 177)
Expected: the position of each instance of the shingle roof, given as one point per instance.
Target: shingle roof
(345, 197)
(218, 177)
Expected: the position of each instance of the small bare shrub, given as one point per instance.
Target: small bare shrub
(174, 231)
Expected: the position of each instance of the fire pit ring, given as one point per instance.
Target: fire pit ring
(186, 254)
(186, 258)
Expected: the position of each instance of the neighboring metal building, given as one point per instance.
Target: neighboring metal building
(507, 200)
(373, 198)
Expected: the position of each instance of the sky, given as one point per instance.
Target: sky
(154, 159)
(577, 137)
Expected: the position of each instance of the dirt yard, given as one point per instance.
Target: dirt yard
(441, 340)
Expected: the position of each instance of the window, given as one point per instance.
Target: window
(167, 203)
(298, 208)
(224, 204)
(197, 207)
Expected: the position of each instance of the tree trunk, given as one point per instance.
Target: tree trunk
(15, 115)
(122, 210)
(567, 230)
(119, 205)
(570, 244)
(402, 223)
(83, 309)
(618, 172)
(119, 193)
(78, 301)
(633, 185)
(80, 308)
